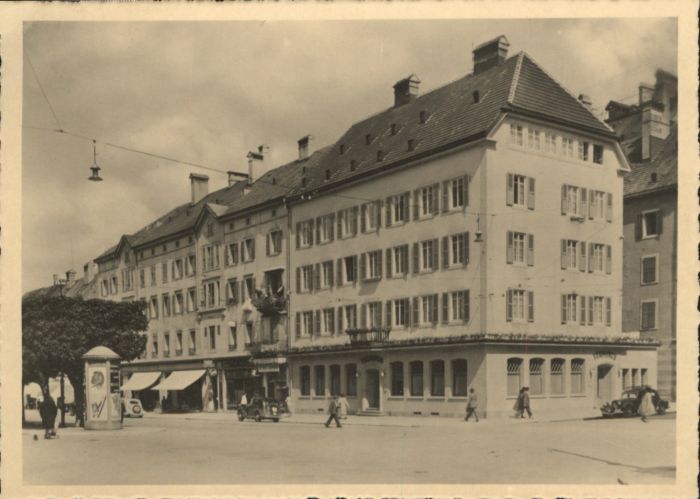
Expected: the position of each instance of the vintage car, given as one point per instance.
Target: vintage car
(628, 403)
(261, 408)
(132, 408)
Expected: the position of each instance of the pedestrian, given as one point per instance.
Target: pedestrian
(646, 406)
(48, 411)
(518, 405)
(472, 404)
(526, 403)
(333, 412)
(244, 401)
(343, 407)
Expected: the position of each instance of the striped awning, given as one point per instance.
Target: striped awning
(141, 381)
(179, 380)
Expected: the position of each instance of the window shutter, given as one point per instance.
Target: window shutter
(243, 293)
(297, 326)
(318, 230)
(406, 205)
(436, 256)
(388, 222)
(267, 246)
(298, 235)
(582, 256)
(339, 224)
(590, 310)
(531, 249)
(416, 258)
(608, 311)
(363, 315)
(331, 325)
(465, 259)
(445, 196)
(363, 266)
(434, 307)
(331, 222)
(563, 309)
(659, 221)
(330, 273)
(509, 305)
(339, 270)
(317, 276)
(531, 193)
(435, 200)
(354, 220)
(583, 204)
(317, 323)
(509, 189)
(253, 283)
(252, 250)
(416, 203)
(638, 227)
(608, 259)
(445, 308)
(416, 312)
(445, 252)
(563, 254)
(531, 306)
(363, 216)
(582, 319)
(340, 320)
(509, 247)
(564, 201)
(298, 280)
(354, 261)
(388, 313)
(467, 309)
(388, 262)
(378, 213)
(591, 200)
(609, 211)
(591, 246)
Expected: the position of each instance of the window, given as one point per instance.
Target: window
(351, 316)
(374, 314)
(598, 309)
(178, 343)
(520, 248)
(514, 382)
(568, 147)
(455, 306)
(626, 379)
(596, 258)
(426, 201)
(369, 219)
(324, 228)
(397, 261)
(210, 293)
(520, 305)
(232, 291)
(347, 222)
(635, 377)
(598, 154)
(533, 139)
(231, 254)
(351, 380)
(164, 271)
(307, 323)
(650, 270)
(423, 117)
(211, 332)
(210, 230)
(305, 376)
(569, 305)
(410, 144)
(153, 308)
(368, 139)
(556, 376)
(645, 379)
(193, 342)
(178, 303)
(425, 256)
(210, 257)
(248, 286)
(232, 337)
(335, 380)
(437, 378)
(583, 150)
(573, 201)
(191, 299)
(416, 368)
(320, 379)
(165, 299)
(177, 270)
(305, 279)
(397, 379)
(113, 288)
(347, 269)
(371, 264)
(400, 314)
(153, 275)
(142, 278)
(248, 250)
(577, 366)
(596, 206)
(397, 209)
(651, 224)
(455, 250)
(104, 287)
(166, 344)
(428, 310)
(536, 377)
(550, 143)
(328, 322)
(327, 274)
(154, 345)
(648, 315)
(305, 233)
(455, 193)
(274, 243)
(459, 378)
(516, 134)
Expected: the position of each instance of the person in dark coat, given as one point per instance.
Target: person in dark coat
(525, 403)
(48, 411)
(333, 412)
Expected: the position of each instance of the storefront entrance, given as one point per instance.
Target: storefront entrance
(604, 390)
(372, 388)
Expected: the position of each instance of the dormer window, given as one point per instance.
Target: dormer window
(368, 139)
(353, 165)
(423, 117)
(380, 155)
(303, 170)
(274, 181)
(411, 144)
(341, 149)
(394, 128)
(653, 178)
(328, 174)
(303, 181)
(475, 96)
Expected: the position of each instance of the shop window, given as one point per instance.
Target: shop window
(635, 377)
(514, 381)
(397, 379)
(305, 376)
(320, 381)
(335, 380)
(416, 378)
(556, 376)
(351, 380)
(577, 370)
(536, 376)
(626, 379)
(437, 378)
(459, 378)
(645, 378)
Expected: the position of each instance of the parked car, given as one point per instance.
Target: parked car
(132, 408)
(628, 403)
(261, 408)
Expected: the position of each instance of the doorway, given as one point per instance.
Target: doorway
(604, 389)
(372, 388)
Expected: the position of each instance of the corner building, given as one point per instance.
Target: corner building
(466, 238)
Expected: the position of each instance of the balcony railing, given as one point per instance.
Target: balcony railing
(365, 336)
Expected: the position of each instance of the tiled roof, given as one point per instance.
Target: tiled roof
(664, 164)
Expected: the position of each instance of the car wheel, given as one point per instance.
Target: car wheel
(276, 420)
(241, 417)
(258, 417)
(628, 411)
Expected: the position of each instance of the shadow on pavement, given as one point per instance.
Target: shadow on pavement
(664, 471)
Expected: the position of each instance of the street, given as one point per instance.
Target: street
(201, 449)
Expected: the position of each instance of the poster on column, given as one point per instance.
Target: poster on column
(97, 392)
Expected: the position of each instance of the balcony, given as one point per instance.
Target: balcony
(368, 336)
(267, 335)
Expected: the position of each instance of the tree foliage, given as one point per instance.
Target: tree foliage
(57, 331)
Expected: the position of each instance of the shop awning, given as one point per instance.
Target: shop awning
(141, 381)
(179, 380)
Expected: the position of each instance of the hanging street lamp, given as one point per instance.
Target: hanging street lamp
(95, 175)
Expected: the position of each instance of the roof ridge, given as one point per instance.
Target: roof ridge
(567, 91)
(516, 77)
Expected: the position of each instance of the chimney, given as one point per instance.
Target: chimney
(256, 163)
(646, 93)
(200, 186)
(490, 54)
(70, 276)
(304, 146)
(56, 280)
(586, 101)
(406, 90)
(655, 129)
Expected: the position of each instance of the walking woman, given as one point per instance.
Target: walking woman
(48, 411)
(646, 406)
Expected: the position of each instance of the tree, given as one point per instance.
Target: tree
(57, 331)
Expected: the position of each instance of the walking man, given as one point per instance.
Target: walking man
(333, 412)
(526, 403)
(472, 404)
(48, 411)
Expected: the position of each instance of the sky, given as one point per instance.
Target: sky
(209, 92)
